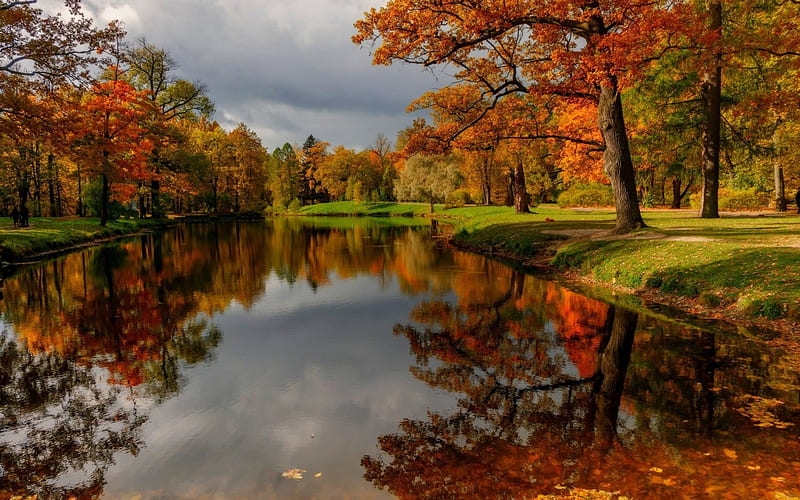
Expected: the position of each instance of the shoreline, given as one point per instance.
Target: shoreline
(741, 269)
(85, 233)
(693, 308)
(538, 248)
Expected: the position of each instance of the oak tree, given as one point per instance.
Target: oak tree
(576, 50)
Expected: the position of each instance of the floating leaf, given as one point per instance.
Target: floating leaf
(294, 474)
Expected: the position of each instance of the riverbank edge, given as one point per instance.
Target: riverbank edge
(545, 254)
(553, 254)
(68, 239)
(688, 309)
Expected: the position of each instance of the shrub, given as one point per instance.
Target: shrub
(458, 198)
(277, 208)
(294, 205)
(731, 200)
(587, 195)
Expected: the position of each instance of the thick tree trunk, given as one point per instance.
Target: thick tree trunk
(614, 360)
(617, 160)
(676, 193)
(711, 92)
(780, 190)
(509, 199)
(521, 201)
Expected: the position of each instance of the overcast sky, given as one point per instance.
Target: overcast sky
(286, 68)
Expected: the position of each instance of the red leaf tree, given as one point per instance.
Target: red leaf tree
(579, 50)
(110, 137)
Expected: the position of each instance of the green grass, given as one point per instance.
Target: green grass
(48, 234)
(338, 222)
(749, 265)
(379, 209)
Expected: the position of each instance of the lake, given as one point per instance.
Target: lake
(362, 358)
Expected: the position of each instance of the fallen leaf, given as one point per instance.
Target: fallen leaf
(318, 474)
(294, 474)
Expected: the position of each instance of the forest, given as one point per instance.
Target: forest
(676, 104)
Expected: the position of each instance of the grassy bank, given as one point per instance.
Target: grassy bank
(742, 265)
(379, 209)
(50, 234)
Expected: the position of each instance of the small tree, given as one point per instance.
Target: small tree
(428, 178)
(109, 137)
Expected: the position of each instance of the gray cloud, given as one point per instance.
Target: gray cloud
(284, 67)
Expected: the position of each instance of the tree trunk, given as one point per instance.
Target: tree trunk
(80, 212)
(614, 360)
(155, 203)
(22, 190)
(780, 190)
(51, 182)
(711, 92)
(104, 196)
(156, 210)
(617, 161)
(676, 193)
(521, 201)
(142, 207)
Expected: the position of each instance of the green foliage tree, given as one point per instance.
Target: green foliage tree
(284, 175)
(428, 178)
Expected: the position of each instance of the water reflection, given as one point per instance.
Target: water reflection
(98, 337)
(558, 392)
(518, 386)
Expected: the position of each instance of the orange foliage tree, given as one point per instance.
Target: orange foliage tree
(111, 138)
(563, 48)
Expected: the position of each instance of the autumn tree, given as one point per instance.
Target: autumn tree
(38, 54)
(152, 69)
(312, 157)
(559, 48)
(111, 139)
(335, 172)
(382, 153)
(248, 175)
(49, 47)
(211, 142)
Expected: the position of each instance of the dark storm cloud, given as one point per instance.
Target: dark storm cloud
(285, 68)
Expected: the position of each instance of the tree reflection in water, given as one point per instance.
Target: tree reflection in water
(542, 407)
(554, 388)
(58, 418)
(97, 341)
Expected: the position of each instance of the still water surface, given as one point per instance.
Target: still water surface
(362, 360)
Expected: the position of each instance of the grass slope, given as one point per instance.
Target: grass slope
(379, 209)
(745, 265)
(48, 234)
